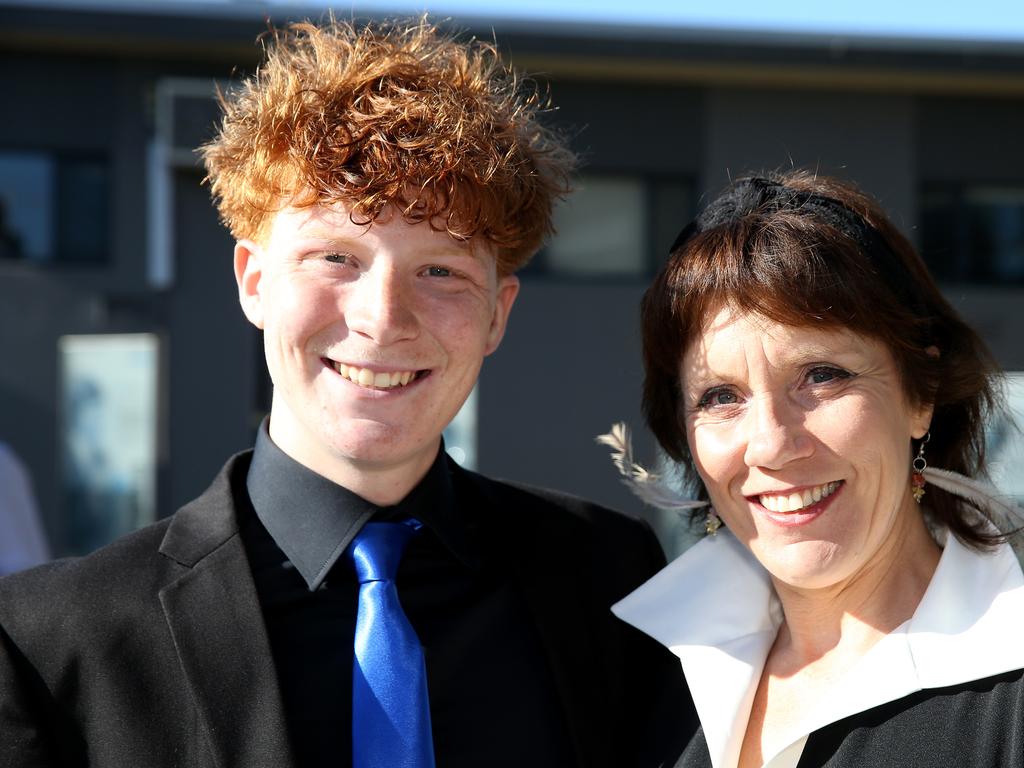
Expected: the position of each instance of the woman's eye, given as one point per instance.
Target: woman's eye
(336, 258)
(718, 397)
(823, 374)
(437, 272)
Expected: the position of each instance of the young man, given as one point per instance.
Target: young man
(383, 185)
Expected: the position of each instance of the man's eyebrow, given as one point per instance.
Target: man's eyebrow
(456, 249)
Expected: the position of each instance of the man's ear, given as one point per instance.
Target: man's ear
(508, 289)
(248, 274)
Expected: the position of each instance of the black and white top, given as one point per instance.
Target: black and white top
(946, 685)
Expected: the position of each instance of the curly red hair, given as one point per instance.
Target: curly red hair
(390, 114)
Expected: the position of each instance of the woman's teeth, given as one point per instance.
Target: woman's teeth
(794, 502)
(364, 377)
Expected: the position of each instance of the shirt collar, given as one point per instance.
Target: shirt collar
(714, 608)
(313, 520)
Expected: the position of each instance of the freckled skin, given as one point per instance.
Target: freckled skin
(770, 407)
(391, 296)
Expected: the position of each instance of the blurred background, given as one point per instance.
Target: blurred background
(128, 374)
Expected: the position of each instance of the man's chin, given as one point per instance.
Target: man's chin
(383, 446)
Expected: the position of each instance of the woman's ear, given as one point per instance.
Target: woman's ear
(921, 419)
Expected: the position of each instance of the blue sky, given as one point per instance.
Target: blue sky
(977, 19)
(981, 20)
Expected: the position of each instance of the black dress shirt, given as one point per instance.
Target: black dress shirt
(492, 694)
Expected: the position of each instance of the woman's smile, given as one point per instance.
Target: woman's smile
(802, 437)
(797, 506)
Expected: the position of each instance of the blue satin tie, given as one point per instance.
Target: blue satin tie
(390, 709)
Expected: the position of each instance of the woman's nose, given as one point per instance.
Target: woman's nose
(776, 433)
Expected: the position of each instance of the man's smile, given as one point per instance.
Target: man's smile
(370, 379)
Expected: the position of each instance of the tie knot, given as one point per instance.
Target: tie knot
(377, 550)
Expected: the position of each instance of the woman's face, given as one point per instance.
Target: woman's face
(802, 437)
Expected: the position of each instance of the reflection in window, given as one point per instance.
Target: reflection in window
(613, 226)
(1005, 444)
(973, 233)
(53, 208)
(108, 436)
(460, 435)
(601, 229)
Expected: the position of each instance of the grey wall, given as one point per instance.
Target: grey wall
(865, 137)
(570, 363)
(568, 367)
(627, 126)
(213, 369)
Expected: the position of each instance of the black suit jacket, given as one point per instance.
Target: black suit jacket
(978, 724)
(152, 651)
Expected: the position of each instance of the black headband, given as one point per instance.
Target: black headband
(760, 195)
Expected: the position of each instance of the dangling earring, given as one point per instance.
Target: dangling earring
(712, 522)
(919, 465)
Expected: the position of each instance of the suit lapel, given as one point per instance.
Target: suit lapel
(214, 617)
(548, 579)
(560, 616)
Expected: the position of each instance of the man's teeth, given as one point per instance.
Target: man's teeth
(793, 502)
(364, 377)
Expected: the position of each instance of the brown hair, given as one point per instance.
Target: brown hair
(390, 114)
(805, 250)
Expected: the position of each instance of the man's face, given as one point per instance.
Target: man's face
(374, 336)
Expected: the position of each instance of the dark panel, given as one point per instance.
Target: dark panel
(210, 358)
(970, 139)
(568, 367)
(626, 126)
(35, 310)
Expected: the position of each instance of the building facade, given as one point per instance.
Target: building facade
(129, 373)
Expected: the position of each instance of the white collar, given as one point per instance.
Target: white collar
(714, 608)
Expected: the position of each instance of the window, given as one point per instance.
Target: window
(460, 437)
(600, 229)
(973, 232)
(53, 208)
(109, 424)
(615, 226)
(1005, 444)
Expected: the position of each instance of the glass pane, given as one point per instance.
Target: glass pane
(82, 197)
(1005, 447)
(996, 224)
(53, 209)
(672, 208)
(601, 229)
(108, 436)
(27, 181)
(460, 436)
(940, 244)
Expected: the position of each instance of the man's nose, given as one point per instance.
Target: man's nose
(776, 432)
(379, 307)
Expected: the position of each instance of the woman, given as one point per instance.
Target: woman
(804, 369)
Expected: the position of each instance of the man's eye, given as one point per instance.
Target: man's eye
(336, 258)
(438, 272)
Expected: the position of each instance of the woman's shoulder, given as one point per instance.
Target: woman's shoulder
(973, 723)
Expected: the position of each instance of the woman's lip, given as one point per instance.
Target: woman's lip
(801, 516)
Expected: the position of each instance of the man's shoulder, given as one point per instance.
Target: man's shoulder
(567, 523)
(115, 578)
(559, 505)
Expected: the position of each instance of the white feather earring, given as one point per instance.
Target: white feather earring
(648, 486)
(1001, 510)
